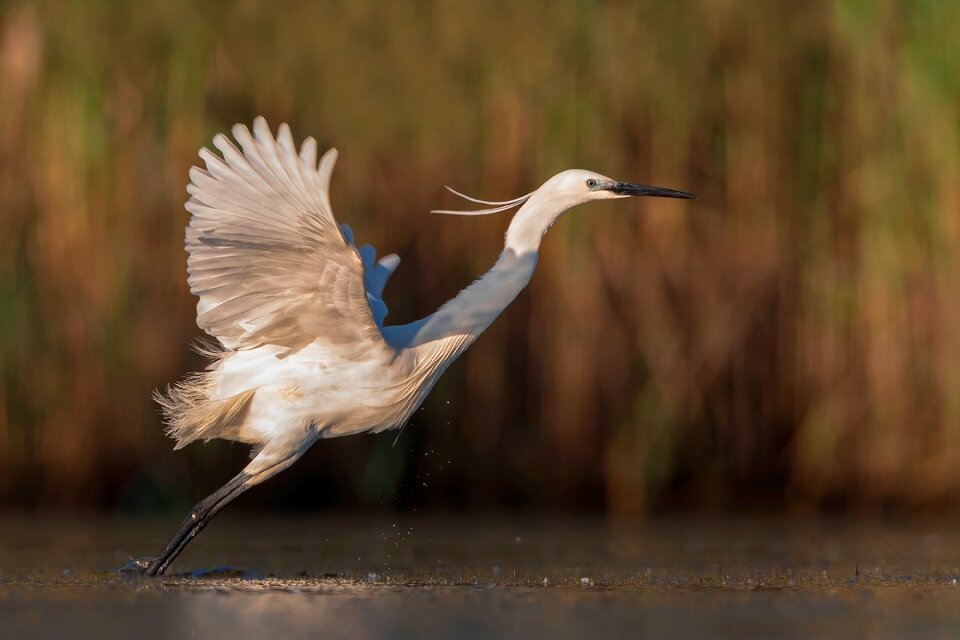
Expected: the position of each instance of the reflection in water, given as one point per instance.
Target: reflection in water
(354, 577)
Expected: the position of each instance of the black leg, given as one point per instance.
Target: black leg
(198, 518)
(265, 465)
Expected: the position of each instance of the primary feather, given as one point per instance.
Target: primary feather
(268, 261)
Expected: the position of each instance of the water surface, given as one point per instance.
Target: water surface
(471, 577)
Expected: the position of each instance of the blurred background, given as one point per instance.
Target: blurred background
(788, 341)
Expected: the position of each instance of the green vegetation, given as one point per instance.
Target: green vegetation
(792, 338)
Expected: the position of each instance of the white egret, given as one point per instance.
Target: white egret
(296, 307)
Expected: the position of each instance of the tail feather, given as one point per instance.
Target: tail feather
(190, 414)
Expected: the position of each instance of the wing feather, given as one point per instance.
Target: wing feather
(267, 259)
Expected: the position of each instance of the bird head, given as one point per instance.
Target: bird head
(570, 188)
(577, 186)
(541, 208)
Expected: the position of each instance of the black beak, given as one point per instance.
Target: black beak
(628, 189)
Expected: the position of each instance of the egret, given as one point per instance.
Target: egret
(296, 307)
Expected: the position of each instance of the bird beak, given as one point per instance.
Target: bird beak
(628, 189)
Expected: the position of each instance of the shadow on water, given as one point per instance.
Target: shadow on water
(467, 577)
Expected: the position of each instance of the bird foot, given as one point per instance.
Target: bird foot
(136, 567)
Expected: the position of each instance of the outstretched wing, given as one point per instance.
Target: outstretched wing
(375, 274)
(267, 259)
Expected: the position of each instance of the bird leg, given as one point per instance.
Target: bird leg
(260, 468)
(196, 520)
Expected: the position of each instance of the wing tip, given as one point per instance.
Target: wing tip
(390, 262)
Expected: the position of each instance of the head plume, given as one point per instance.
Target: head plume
(496, 207)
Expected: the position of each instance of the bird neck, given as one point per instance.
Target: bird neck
(478, 305)
(461, 320)
(532, 221)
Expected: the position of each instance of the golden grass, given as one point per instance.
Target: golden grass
(792, 337)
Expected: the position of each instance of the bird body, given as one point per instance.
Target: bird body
(267, 395)
(297, 310)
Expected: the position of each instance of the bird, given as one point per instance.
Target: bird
(295, 307)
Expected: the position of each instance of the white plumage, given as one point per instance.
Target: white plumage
(298, 312)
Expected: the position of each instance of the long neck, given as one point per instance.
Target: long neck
(531, 222)
(461, 320)
(465, 317)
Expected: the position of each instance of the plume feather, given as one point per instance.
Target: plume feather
(497, 207)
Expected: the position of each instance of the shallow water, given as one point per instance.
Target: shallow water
(469, 577)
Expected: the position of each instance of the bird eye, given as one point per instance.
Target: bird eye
(591, 183)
